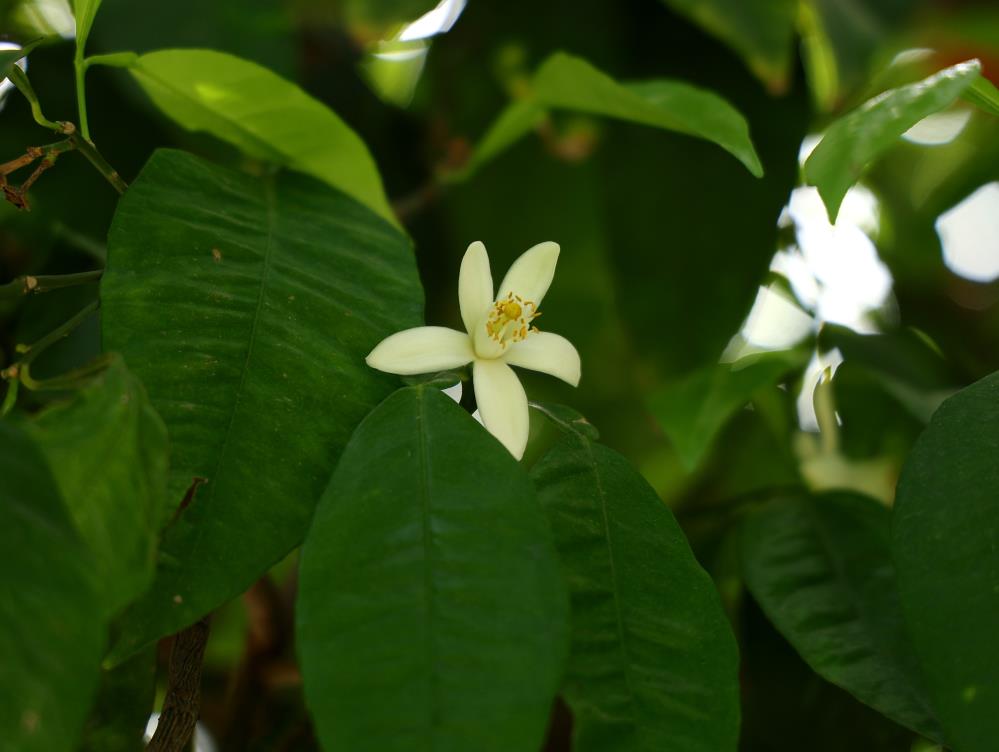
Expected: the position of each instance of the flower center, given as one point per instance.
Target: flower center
(510, 319)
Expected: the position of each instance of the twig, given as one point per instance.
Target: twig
(87, 149)
(48, 155)
(407, 207)
(36, 349)
(183, 695)
(33, 284)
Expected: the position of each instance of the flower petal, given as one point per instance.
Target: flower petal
(475, 286)
(424, 349)
(531, 274)
(502, 404)
(548, 353)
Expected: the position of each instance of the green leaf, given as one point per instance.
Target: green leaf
(839, 39)
(124, 701)
(431, 611)
(10, 57)
(570, 83)
(984, 95)
(761, 31)
(654, 664)
(53, 629)
(857, 139)
(821, 569)
(262, 114)
(246, 306)
(944, 540)
(567, 419)
(108, 452)
(518, 119)
(85, 11)
(693, 410)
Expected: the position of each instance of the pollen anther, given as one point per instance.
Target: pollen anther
(510, 319)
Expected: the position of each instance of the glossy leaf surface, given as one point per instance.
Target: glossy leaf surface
(821, 569)
(568, 82)
(857, 139)
(262, 114)
(944, 539)
(431, 613)
(654, 664)
(246, 306)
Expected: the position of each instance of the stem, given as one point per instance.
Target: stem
(56, 334)
(66, 381)
(20, 79)
(112, 60)
(10, 398)
(80, 67)
(87, 149)
(183, 696)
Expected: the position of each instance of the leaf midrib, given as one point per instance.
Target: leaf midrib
(618, 611)
(427, 566)
(271, 201)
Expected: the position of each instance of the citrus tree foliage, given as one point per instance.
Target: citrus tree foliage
(284, 289)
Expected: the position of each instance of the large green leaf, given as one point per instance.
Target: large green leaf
(945, 541)
(568, 82)
(860, 137)
(246, 307)
(654, 664)
(432, 614)
(52, 635)
(108, 452)
(262, 114)
(761, 31)
(821, 569)
(692, 411)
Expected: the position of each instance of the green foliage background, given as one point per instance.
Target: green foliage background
(679, 563)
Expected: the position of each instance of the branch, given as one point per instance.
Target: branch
(183, 696)
(32, 284)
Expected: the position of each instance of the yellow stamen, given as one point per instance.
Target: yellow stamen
(509, 319)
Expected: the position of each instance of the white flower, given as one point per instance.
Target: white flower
(498, 334)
